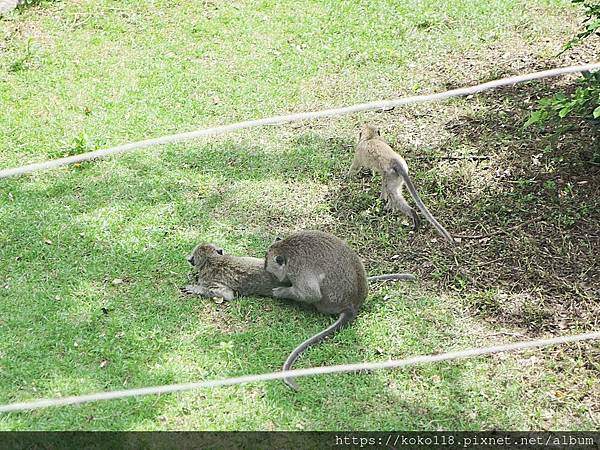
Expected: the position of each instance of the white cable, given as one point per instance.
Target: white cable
(385, 104)
(111, 395)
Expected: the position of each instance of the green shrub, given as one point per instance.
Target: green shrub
(585, 101)
(591, 23)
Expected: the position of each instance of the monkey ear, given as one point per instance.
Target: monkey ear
(279, 260)
(278, 238)
(378, 132)
(191, 259)
(219, 251)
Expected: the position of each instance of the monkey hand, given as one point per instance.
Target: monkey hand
(186, 289)
(192, 289)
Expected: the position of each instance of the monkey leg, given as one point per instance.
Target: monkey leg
(385, 194)
(393, 186)
(406, 209)
(224, 292)
(307, 290)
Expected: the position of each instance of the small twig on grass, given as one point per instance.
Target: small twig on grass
(456, 158)
(495, 233)
(592, 418)
(507, 333)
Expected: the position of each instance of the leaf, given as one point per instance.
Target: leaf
(560, 97)
(564, 111)
(596, 112)
(535, 117)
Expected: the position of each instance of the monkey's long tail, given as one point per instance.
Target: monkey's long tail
(413, 192)
(344, 318)
(392, 276)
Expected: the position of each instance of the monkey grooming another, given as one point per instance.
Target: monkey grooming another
(227, 276)
(374, 153)
(341, 285)
(324, 272)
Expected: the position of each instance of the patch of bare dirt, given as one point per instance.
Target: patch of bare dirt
(525, 200)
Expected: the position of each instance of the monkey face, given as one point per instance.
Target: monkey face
(275, 264)
(203, 251)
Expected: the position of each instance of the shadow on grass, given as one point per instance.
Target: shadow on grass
(76, 233)
(92, 261)
(528, 201)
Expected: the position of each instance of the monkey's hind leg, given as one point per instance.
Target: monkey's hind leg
(223, 292)
(393, 185)
(306, 290)
(384, 195)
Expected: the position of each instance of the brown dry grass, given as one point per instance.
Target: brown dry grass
(529, 200)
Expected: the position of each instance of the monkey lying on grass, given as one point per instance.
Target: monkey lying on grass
(227, 276)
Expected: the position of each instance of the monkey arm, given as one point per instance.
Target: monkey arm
(293, 293)
(354, 168)
(196, 289)
(224, 292)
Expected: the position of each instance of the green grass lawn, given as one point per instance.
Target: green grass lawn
(92, 256)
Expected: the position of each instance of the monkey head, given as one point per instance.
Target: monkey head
(276, 262)
(368, 132)
(203, 251)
